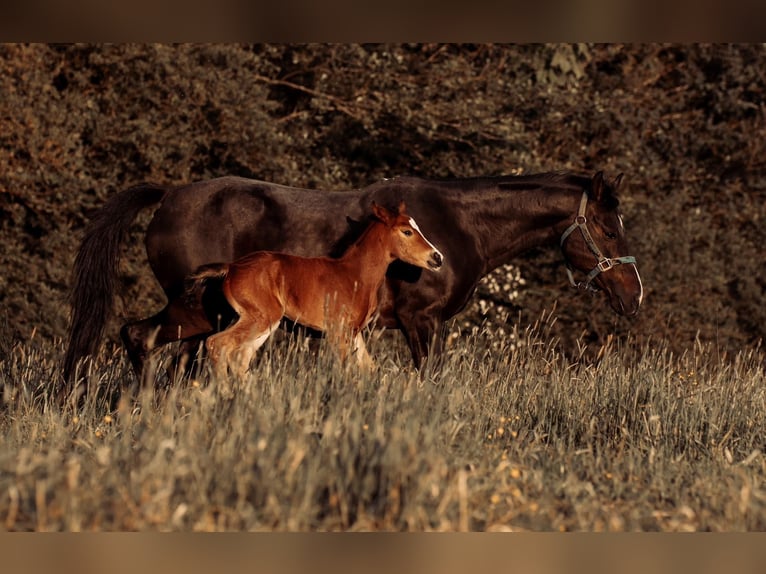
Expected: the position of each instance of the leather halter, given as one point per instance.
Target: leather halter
(603, 263)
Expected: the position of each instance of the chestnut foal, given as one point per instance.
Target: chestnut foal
(336, 296)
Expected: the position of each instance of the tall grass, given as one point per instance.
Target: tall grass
(507, 435)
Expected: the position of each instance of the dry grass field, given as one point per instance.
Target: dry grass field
(509, 436)
(549, 413)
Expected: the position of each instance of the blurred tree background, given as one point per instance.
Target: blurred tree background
(685, 123)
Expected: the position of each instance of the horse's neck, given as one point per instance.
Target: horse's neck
(509, 222)
(369, 256)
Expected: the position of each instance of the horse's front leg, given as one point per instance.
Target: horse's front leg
(424, 333)
(417, 314)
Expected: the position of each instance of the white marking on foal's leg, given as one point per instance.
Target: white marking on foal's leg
(248, 348)
(363, 357)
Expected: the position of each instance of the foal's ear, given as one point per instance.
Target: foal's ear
(381, 213)
(617, 181)
(402, 207)
(597, 186)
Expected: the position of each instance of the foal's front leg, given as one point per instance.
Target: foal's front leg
(363, 357)
(356, 345)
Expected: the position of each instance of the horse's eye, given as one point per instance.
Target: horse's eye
(407, 232)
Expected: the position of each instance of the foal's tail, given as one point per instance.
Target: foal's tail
(194, 283)
(95, 269)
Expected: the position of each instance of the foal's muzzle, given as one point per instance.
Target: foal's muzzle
(436, 260)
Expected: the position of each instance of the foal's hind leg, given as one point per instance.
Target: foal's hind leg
(236, 346)
(255, 341)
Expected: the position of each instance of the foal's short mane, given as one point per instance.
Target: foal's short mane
(354, 231)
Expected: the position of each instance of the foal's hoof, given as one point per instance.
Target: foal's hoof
(225, 388)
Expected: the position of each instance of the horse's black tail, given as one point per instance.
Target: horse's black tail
(194, 283)
(95, 269)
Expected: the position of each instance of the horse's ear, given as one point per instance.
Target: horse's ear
(402, 207)
(617, 181)
(597, 186)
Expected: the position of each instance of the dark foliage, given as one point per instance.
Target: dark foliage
(684, 123)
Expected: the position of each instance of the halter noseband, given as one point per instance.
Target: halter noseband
(603, 263)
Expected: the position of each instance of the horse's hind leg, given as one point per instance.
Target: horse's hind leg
(138, 340)
(175, 322)
(187, 359)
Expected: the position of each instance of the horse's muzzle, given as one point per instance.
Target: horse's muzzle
(626, 306)
(436, 260)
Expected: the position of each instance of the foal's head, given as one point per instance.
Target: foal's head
(407, 241)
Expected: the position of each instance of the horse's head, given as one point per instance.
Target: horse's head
(407, 241)
(595, 244)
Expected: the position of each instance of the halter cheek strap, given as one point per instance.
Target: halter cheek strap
(603, 263)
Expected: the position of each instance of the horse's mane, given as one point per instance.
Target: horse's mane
(578, 181)
(524, 181)
(354, 231)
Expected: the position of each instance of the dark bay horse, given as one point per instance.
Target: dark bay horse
(478, 224)
(334, 296)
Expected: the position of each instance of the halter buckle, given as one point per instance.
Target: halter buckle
(605, 265)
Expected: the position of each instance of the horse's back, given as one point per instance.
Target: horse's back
(225, 218)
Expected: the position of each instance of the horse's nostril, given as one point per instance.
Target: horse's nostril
(437, 257)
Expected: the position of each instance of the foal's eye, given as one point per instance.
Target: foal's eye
(407, 232)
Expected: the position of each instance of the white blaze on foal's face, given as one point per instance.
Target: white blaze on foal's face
(414, 226)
